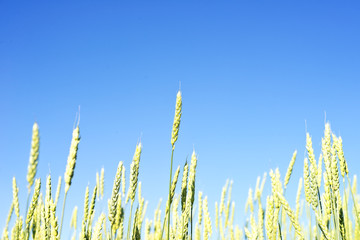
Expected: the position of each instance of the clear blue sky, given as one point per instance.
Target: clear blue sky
(251, 73)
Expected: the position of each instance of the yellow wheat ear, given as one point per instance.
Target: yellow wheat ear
(34, 155)
(134, 174)
(289, 170)
(102, 182)
(291, 215)
(33, 202)
(176, 124)
(115, 195)
(70, 167)
(16, 198)
(172, 192)
(73, 222)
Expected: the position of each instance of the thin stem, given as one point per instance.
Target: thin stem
(163, 227)
(168, 215)
(26, 212)
(346, 204)
(335, 215)
(354, 201)
(319, 198)
(62, 215)
(307, 209)
(280, 230)
(322, 230)
(191, 222)
(129, 223)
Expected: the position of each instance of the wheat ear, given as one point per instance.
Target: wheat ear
(73, 222)
(33, 202)
(70, 167)
(177, 117)
(134, 174)
(115, 194)
(33, 160)
(102, 173)
(291, 215)
(34, 156)
(174, 137)
(5, 235)
(16, 198)
(184, 186)
(289, 170)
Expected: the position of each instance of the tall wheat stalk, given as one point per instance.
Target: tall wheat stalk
(174, 137)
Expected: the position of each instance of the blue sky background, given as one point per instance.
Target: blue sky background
(251, 73)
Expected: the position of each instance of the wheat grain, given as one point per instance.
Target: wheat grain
(73, 222)
(227, 210)
(115, 194)
(33, 201)
(173, 186)
(16, 198)
(257, 194)
(216, 215)
(102, 182)
(184, 186)
(92, 203)
(334, 170)
(98, 227)
(70, 167)
(134, 173)
(200, 208)
(48, 206)
(249, 202)
(343, 165)
(6, 231)
(86, 204)
(98, 184)
(119, 217)
(54, 221)
(291, 215)
(123, 181)
(354, 185)
(269, 217)
(319, 171)
(327, 200)
(297, 212)
(177, 117)
(307, 181)
(207, 220)
(222, 200)
(58, 188)
(289, 170)
(260, 230)
(232, 213)
(34, 156)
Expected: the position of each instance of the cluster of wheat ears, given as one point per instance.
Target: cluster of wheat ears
(331, 210)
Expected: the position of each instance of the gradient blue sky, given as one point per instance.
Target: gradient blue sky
(251, 73)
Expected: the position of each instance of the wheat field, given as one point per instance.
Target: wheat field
(326, 207)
